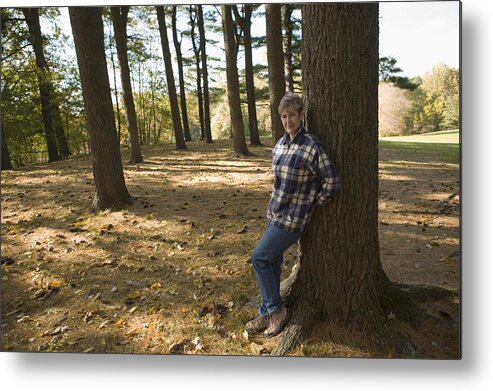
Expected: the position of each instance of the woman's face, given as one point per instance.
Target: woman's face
(291, 120)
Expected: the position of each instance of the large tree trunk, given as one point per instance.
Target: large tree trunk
(239, 143)
(110, 189)
(55, 136)
(179, 59)
(341, 277)
(275, 60)
(245, 24)
(205, 76)
(173, 99)
(288, 51)
(119, 16)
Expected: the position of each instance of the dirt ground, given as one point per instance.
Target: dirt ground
(170, 274)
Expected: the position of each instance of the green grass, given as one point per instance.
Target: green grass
(436, 147)
(442, 137)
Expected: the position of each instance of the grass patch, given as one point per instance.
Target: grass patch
(422, 152)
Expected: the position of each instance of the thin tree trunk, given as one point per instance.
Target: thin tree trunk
(175, 110)
(143, 117)
(55, 137)
(5, 164)
(245, 24)
(275, 59)
(110, 189)
(205, 76)
(288, 52)
(179, 59)
(120, 17)
(118, 119)
(196, 51)
(153, 110)
(341, 277)
(239, 143)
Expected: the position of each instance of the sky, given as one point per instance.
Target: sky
(420, 34)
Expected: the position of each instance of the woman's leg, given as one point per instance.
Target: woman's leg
(267, 260)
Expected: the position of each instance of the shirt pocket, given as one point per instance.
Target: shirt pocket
(300, 173)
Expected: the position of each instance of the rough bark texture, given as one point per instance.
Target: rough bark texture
(239, 143)
(245, 24)
(275, 60)
(205, 76)
(110, 188)
(341, 276)
(179, 60)
(119, 16)
(173, 99)
(55, 136)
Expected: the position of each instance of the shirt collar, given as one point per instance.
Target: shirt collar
(297, 139)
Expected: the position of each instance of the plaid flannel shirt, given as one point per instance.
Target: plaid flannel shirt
(303, 178)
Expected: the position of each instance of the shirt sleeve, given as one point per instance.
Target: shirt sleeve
(326, 172)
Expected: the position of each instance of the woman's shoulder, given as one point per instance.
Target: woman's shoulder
(311, 141)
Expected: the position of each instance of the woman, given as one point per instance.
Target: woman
(304, 177)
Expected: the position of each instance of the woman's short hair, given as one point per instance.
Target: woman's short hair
(291, 100)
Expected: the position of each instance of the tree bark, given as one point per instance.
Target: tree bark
(5, 163)
(179, 59)
(245, 24)
(55, 136)
(110, 189)
(239, 143)
(196, 52)
(341, 276)
(119, 16)
(275, 60)
(288, 52)
(118, 118)
(175, 110)
(205, 76)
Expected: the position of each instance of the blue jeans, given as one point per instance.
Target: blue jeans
(267, 260)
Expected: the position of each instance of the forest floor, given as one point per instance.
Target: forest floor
(170, 274)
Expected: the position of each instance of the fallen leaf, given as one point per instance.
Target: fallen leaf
(242, 230)
(104, 324)
(131, 331)
(120, 322)
(55, 284)
(176, 347)
(257, 348)
(134, 295)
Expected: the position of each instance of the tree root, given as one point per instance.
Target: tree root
(391, 341)
(287, 283)
(396, 301)
(299, 326)
(399, 301)
(426, 293)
